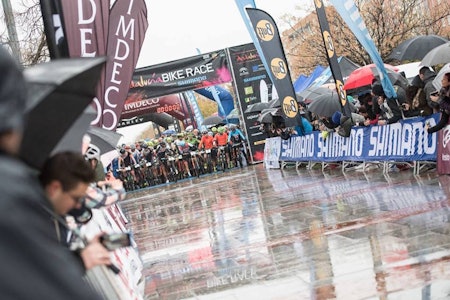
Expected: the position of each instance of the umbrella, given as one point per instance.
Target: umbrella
(257, 107)
(269, 115)
(437, 81)
(105, 140)
(417, 47)
(169, 132)
(72, 139)
(312, 93)
(395, 78)
(213, 121)
(439, 55)
(327, 104)
(234, 114)
(58, 92)
(364, 76)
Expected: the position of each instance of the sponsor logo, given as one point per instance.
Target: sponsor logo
(265, 30)
(318, 3)
(342, 92)
(329, 43)
(243, 71)
(446, 136)
(254, 78)
(278, 68)
(249, 56)
(248, 90)
(290, 107)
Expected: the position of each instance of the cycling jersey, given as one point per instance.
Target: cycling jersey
(206, 142)
(236, 136)
(221, 139)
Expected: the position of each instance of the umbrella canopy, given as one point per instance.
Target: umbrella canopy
(234, 114)
(364, 76)
(58, 92)
(213, 121)
(73, 138)
(105, 140)
(438, 55)
(269, 115)
(312, 93)
(257, 107)
(327, 104)
(417, 47)
(169, 132)
(437, 81)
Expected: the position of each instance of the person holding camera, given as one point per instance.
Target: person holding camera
(442, 98)
(66, 177)
(34, 265)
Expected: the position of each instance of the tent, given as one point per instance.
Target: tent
(303, 82)
(346, 65)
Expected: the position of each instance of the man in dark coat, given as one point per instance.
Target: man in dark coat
(427, 76)
(33, 264)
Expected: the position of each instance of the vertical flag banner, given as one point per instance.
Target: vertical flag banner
(194, 104)
(272, 50)
(91, 29)
(332, 57)
(54, 29)
(350, 14)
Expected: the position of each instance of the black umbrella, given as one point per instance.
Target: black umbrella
(58, 93)
(311, 93)
(257, 107)
(326, 105)
(213, 121)
(417, 47)
(105, 140)
(269, 115)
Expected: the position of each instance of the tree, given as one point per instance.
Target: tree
(389, 22)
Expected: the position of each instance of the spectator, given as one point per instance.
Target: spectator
(443, 99)
(389, 108)
(34, 264)
(66, 177)
(427, 76)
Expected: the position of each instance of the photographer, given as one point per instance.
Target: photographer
(443, 99)
(65, 178)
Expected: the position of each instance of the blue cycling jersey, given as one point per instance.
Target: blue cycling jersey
(236, 136)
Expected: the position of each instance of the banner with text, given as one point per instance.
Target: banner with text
(272, 48)
(403, 141)
(249, 76)
(181, 75)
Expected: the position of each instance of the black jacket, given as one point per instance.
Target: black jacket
(33, 264)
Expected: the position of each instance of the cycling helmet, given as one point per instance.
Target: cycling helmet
(221, 129)
(214, 129)
(92, 152)
(233, 127)
(169, 140)
(204, 131)
(144, 145)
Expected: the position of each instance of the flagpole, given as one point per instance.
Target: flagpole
(12, 32)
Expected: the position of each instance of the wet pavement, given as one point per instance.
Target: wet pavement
(289, 234)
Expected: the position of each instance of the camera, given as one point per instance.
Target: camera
(113, 241)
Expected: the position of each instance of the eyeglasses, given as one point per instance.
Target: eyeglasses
(77, 199)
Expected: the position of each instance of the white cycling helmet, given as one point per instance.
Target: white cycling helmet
(92, 152)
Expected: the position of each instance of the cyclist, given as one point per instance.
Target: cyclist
(126, 159)
(207, 143)
(221, 141)
(236, 138)
(184, 150)
(162, 151)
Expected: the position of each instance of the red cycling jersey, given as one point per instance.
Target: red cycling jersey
(221, 139)
(206, 141)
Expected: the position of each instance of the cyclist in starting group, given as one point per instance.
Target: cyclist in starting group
(221, 140)
(236, 138)
(207, 143)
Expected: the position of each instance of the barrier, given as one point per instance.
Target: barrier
(405, 141)
(129, 283)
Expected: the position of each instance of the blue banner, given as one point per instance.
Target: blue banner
(403, 141)
(350, 14)
(193, 102)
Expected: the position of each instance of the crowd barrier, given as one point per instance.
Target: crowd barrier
(129, 283)
(405, 141)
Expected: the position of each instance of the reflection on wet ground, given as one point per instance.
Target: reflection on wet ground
(295, 234)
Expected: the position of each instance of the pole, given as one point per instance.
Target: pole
(12, 33)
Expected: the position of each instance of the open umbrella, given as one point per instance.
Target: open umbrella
(312, 93)
(437, 81)
(327, 104)
(438, 55)
(169, 132)
(364, 76)
(105, 140)
(213, 121)
(58, 92)
(269, 115)
(257, 107)
(417, 47)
